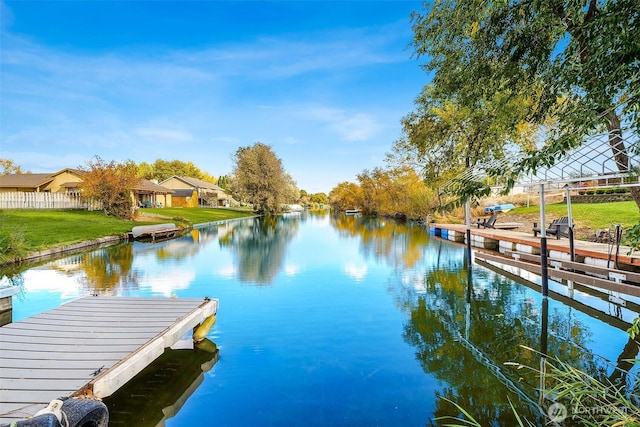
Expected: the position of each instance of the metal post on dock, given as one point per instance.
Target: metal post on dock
(467, 214)
(543, 246)
(572, 250)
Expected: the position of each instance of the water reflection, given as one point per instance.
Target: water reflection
(391, 241)
(260, 245)
(449, 325)
(159, 391)
(502, 322)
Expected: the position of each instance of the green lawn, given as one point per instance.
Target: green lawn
(197, 215)
(30, 230)
(591, 215)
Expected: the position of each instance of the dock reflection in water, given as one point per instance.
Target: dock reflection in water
(160, 390)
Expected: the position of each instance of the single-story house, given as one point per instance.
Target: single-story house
(68, 181)
(194, 192)
(149, 194)
(64, 181)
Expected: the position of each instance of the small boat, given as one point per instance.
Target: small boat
(155, 232)
(499, 208)
(352, 211)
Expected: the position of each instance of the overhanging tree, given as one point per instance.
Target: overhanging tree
(577, 62)
(452, 131)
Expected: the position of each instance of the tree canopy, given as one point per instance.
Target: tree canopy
(260, 179)
(387, 192)
(8, 166)
(163, 169)
(552, 70)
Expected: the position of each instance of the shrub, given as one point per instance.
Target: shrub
(600, 191)
(13, 247)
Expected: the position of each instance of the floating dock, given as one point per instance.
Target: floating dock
(88, 347)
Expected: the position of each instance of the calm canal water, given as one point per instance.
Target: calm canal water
(339, 320)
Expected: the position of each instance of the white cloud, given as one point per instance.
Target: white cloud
(163, 135)
(352, 127)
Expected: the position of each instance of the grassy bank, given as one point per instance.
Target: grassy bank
(195, 215)
(593, 216)
(25, 231)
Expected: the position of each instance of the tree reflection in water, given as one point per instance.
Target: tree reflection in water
(259, 246)
(502, 325)
(466, 323)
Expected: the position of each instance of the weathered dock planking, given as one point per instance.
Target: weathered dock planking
(88, 347)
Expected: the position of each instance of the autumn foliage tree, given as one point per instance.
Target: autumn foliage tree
(346, 195)
(8, 166)
(110, 184)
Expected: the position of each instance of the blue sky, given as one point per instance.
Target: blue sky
(324, 83)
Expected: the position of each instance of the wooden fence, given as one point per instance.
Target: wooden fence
(23, 200)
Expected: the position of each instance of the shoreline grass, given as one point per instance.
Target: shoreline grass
(26, 231)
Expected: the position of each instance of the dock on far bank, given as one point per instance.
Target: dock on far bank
(88, 347)
(503, 240)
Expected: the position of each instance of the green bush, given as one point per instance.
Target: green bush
(609, 191)
(632, 238)
(13, 246)
(600, 191)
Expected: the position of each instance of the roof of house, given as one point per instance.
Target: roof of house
(186, 192)
(195, 182)
(70, 184)
(78, 172)
(151, 187)
(25, 180)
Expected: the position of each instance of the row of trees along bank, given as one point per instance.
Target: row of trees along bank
(397, 191)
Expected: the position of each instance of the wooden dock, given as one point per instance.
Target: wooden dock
(88, 347)
(506, 240)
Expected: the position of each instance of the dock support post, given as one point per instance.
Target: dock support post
(544, 326)
(467, 214)
(543, 246)
(572, 250)
(6, 303)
